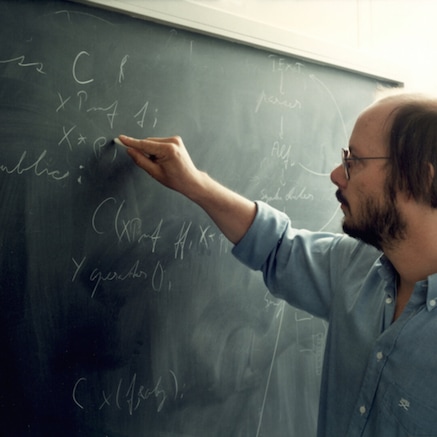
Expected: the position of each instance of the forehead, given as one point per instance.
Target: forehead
(371, 130)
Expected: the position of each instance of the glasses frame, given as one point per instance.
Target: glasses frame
(346, 158)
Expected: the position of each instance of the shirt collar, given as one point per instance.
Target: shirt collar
(388, 274)
(386, 269)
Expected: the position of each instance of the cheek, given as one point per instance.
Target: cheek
(371, 185)
(360, 197)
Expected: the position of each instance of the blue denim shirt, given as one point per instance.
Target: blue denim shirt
(379, 377)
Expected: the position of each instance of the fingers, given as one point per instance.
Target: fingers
(139, 158)
(151, 153)
(134, 143)
(153, 148)
(144, 143)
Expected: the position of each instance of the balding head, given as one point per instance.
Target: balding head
(410, 126)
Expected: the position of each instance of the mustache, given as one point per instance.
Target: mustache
(341, 198)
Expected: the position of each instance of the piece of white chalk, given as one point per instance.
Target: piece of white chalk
(117, 141)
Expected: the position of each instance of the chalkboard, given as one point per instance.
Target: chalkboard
(123, 310)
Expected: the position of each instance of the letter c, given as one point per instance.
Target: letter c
(74, 392)
(82, 82)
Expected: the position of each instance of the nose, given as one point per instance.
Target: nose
(338, 177)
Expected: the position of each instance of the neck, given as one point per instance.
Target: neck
(404, 292)
(414, 255)
(414, 260)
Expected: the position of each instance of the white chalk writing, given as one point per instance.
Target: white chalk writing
(129, 395)
(38, 167)
(20, 62)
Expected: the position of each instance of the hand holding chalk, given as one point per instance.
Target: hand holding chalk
(166, 160)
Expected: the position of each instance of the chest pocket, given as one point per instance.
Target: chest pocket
(410, 415)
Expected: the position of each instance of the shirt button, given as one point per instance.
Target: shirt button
(433, 302)
(389, 300)
(379, 356)
(363, 409)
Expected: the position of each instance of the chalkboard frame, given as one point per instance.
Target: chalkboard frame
(213, 22)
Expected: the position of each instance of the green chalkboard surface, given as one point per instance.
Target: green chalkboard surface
(123, 312)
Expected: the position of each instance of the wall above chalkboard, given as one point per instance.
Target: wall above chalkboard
(201, 18)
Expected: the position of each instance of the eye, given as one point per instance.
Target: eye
(350, 162)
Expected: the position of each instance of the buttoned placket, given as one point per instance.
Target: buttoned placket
(378, 357)
(370, 384)
(381, 352)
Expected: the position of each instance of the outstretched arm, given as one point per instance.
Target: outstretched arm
(167, 161)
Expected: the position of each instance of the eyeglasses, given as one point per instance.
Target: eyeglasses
(346, 159)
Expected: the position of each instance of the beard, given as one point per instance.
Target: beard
(380, 226)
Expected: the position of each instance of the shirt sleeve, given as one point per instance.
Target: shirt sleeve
(298, 266)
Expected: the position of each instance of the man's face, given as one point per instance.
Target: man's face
(370, 214)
